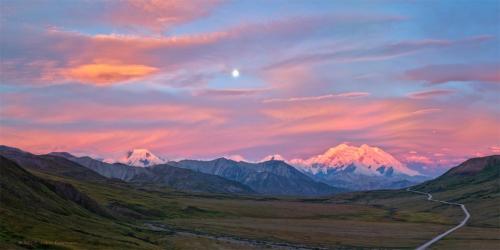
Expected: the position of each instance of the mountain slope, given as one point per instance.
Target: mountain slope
(271, 177)
(359, 168)
(471, 173)
(33, 208)
(188, 180)
(20, 188)
(50, 164)
(162, 175)
(116, 170)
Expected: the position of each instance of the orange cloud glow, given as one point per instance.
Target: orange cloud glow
(105, 74)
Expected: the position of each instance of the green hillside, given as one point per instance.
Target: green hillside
(46, 214)
(475, 183)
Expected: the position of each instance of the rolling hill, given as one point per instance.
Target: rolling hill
(475, 172)
(50, 164)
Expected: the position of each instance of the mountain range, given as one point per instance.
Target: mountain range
(86, 168)
(271, 177)
(217, 176)
(161, 175)
(344, 166)
(338, 169)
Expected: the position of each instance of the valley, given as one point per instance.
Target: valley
(126, 214)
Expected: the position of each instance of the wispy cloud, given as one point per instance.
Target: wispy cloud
(495, 149)
(442, 73)
(381, 52)
(426, 111)
(316, 98)
(430, 93)
(228, 92)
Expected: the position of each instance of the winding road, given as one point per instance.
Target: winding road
(435, 239)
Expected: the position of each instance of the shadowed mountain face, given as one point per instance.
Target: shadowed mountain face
(116, 170)
(270, 177)
(477, 172)
(346, 178)
(475, 166)
(162, 175)
(22, 190)
(50, 164)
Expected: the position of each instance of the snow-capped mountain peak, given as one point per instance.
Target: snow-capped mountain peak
(141, 158)
(274, 157)
(365, 160)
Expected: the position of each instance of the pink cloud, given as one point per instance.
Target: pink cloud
(436, 74)
(426, 111)
(99, 59)
(495, 149)
(105, 74)
(58, 114)
(430, 93)
(353, 94)
(391, 123)
(156, 15)
(317, 98)
(228, 92)
(236, 158)
(419, 159)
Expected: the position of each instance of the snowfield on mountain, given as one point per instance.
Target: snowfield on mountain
(141, 158)
(364, 160)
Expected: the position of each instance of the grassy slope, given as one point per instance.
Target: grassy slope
(34, 216)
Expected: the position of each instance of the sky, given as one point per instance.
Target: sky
(419, 79)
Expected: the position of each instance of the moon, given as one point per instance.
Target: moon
(235, 73)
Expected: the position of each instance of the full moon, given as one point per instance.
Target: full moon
(235, 73)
